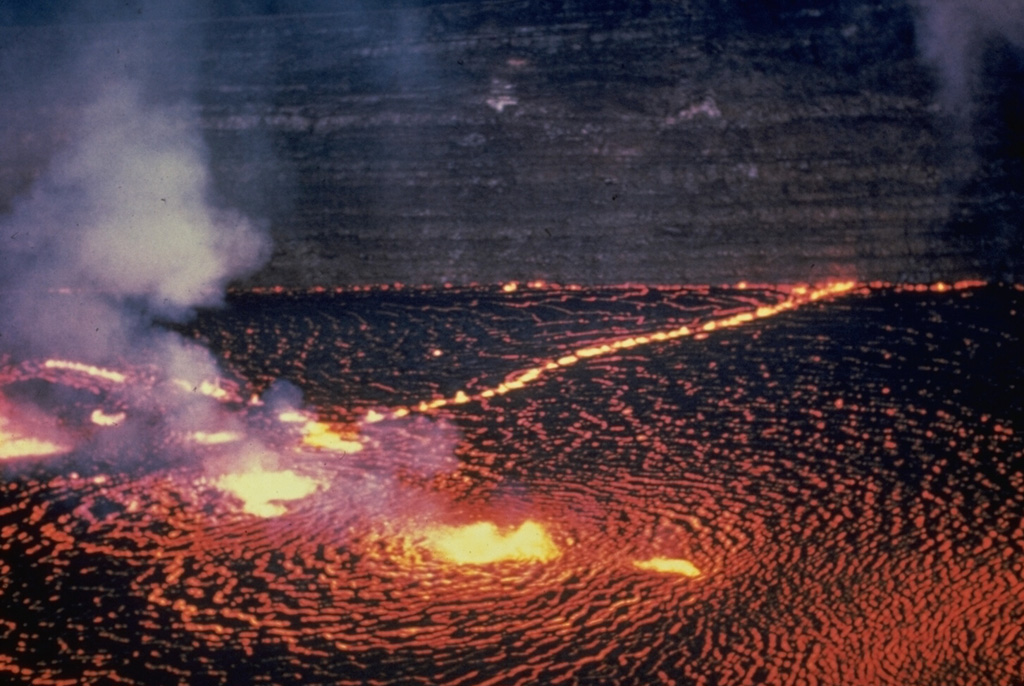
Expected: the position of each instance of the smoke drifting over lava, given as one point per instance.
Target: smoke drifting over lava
(124, 235)
(124, 228)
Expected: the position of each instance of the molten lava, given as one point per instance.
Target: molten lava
(262, 491)
(324, 436)
(101, 418)
(483, 543)
(215, 437)
(833, 496)
(90, 370)
(669, 565)
(25, 434)
(14, 445)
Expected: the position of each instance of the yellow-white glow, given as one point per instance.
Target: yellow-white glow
(101, 418)
(324, 437)
(14, 444)
(98, 372)
(483, 543)
(669, 565)
(215, 437)
(262, 491)
(207, 388)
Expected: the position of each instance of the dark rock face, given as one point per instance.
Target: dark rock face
(603, 142)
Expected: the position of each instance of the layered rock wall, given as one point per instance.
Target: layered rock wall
(663, 142)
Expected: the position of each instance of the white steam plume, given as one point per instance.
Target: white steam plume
(123, 227)
(123, 224)
(951, 37)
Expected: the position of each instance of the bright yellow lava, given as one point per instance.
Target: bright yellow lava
(483, 543)
(215, 437)
(324, 437)
(101, 418)
(98, 372)
(262, 491)
(14, 446)
(669, 565)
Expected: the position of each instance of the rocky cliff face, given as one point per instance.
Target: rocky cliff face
(603, 142)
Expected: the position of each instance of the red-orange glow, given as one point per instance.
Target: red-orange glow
(938, 287)
(98, 372)
(23, 434)
(483, 543)
(798, 295)
(677, 513)
(669, 565)
(510, 287)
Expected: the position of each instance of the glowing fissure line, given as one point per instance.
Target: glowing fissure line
(98, 372)
(799, 295)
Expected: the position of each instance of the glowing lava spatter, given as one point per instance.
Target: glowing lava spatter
(101, 418)
(215, 437)
(262, 491)
(669, 565)
(323, 435)
(483, 543)
(28, 436)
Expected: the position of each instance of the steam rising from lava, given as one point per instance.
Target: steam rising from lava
(124, 226)
(122, 230)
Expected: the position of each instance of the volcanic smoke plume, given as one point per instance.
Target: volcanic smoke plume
(952, 36)
(123, 228)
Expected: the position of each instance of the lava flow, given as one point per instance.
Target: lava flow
(691, 486)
